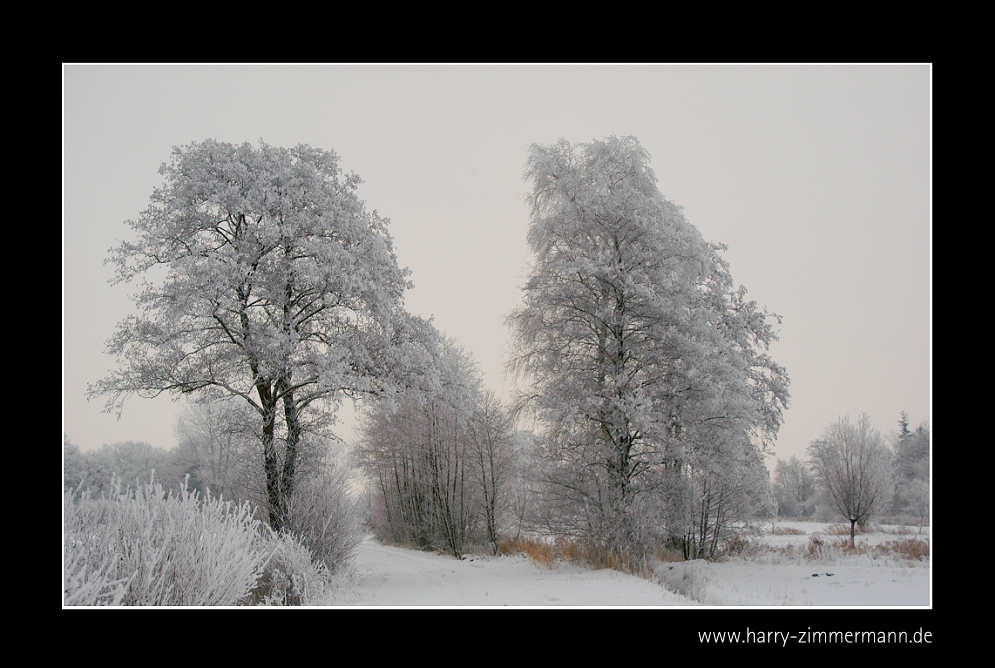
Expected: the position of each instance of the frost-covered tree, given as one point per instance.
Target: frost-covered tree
(714, 494)
(911, 448)
(854, 468)
(438, 456)
(914, 494)
(129, 464)
(218, 444)
(269, 281)
(492, 460)
(643, 360)
(73, 464)
(794, 488)
(524, 493)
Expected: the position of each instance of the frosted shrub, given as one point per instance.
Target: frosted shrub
(91, 585)
(325, 518)
(687, 578)
(292, 575)
(149, 547)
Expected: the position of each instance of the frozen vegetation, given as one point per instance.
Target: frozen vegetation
(647, 386)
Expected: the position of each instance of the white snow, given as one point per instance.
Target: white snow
(391, 576)
(395, 576)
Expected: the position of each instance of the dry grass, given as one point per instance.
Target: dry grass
(913, 549)
(624, 562)
(900, 530)
(820, 548)
(538, 551)
(574, 552)
(669, 554)
(844, 530)
(787, 531)
(739, 545)
(904, 529)
(824, 549)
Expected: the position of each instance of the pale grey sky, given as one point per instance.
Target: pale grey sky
(817, 178)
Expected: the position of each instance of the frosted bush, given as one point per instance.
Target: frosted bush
(687, 578)
(149, 547)
(93, 585)
(292, 575)
(325, 518)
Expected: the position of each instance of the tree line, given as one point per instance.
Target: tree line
(852, 472)
(648, 395)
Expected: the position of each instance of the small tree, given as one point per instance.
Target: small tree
(492, 449)
(854, 468)
(915, 493)
(794, 488)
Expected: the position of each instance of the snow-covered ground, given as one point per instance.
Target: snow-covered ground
(390, 576)
(394, 576)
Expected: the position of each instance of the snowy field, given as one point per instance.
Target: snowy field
(390, 576)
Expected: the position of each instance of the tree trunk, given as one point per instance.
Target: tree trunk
(270, 457)
(292, 414)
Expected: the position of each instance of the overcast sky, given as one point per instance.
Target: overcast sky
(816, 177)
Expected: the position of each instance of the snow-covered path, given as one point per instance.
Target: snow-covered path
(390, 576)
